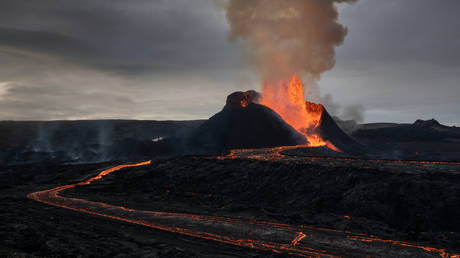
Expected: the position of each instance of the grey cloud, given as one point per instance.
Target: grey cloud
(52, 102)
(44, 42)
(400, 60)
(114, 59)
(168, 59)
(131, 37)
(401, 31)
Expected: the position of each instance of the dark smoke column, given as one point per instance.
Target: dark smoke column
(287, 36)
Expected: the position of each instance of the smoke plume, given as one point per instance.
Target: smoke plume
(287, 36)
(353, 112)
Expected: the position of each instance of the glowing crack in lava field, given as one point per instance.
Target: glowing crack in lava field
(299, 240)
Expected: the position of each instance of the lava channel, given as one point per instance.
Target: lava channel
(262, 235)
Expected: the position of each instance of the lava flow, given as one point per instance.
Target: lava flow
(256, 234)
(288, 100)
(275, 154)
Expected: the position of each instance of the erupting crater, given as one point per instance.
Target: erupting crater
(312, 120)
(287, 99)
(280, 116)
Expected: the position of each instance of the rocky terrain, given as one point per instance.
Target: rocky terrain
(411, 198)
(32, 229)
(87, 140)
(421, 140)
(414, 202)
(243, 123)
(370, 192)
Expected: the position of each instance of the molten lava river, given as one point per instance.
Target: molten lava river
(298, 240)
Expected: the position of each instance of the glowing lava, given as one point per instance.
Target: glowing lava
(250, 233)
(298, 238)
(287, 98)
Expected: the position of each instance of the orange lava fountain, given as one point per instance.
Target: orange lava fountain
(287, 98)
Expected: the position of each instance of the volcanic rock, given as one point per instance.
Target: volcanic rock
(330, 131)
(421, 140)
(241, 99)
(243, 123)
(426, 123)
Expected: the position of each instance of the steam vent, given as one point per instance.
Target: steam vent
(243, 123)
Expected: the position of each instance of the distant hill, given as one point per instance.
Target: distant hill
(423, 139)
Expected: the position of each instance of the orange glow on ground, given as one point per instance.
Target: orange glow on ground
(284, 238)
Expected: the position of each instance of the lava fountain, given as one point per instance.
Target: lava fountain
(287, 98)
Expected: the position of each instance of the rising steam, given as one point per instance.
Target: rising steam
(287, 36)
(353, 112)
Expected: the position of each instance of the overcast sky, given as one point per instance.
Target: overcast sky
(171, 59)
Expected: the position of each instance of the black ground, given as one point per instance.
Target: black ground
(414, 201)
(410, 202)
(402, 201)
(32, 229)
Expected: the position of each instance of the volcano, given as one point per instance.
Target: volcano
(330, 132)
(243, 123)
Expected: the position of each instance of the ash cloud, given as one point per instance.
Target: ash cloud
(286, 37)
